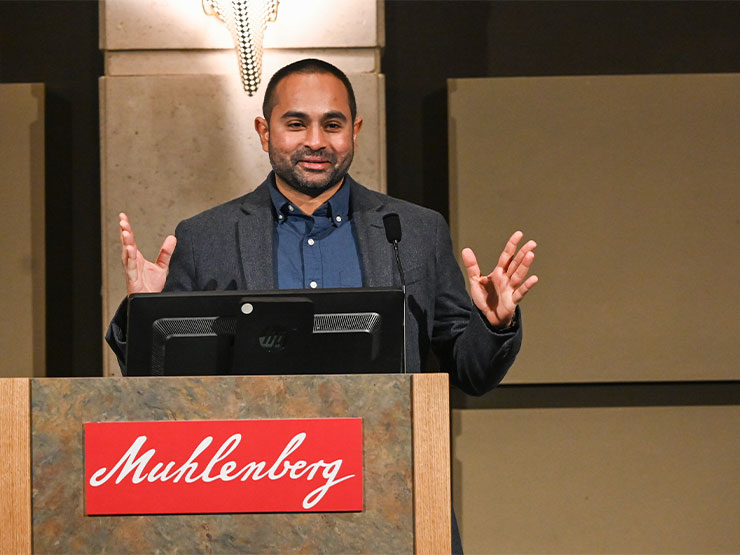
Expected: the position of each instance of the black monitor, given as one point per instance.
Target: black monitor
(323, 331)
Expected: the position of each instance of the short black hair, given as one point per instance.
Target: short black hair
(306, 66)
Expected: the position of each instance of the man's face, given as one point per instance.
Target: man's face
(311, 136)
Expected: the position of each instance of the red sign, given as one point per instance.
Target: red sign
(228, 466)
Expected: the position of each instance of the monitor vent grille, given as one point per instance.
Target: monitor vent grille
(346, 323)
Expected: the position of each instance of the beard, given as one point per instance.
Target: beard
(310, 182)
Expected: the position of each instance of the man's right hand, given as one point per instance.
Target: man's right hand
(143, 276)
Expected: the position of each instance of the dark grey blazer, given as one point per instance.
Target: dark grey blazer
(231, 246)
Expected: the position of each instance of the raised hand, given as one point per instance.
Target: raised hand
(143, 276)
(497, 294)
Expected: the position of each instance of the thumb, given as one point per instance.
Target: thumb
(165, 253)
(471, 263)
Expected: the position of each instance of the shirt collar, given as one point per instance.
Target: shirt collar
(337, 207)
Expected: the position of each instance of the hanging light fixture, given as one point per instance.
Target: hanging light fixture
(246, 20)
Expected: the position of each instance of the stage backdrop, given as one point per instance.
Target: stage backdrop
(630, 186)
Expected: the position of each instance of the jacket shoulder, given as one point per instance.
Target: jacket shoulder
(368, 199)
(225, 213)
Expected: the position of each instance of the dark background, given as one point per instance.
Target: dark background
(56, 42)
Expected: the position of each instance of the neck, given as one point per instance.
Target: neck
(306, 203)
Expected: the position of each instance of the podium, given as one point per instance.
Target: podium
(405, 463)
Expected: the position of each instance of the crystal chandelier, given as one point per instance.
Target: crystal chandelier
(246, 20)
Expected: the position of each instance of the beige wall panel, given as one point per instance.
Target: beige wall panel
(601, 480)
(173, 146)
(182, 24)
(22, 271)
(630, 186)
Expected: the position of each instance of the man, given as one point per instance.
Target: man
(311, 225)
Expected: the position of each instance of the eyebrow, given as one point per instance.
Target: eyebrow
(299, 115)
(335, 115)
(304, 115)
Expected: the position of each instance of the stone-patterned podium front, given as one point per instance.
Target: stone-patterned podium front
(59, 408)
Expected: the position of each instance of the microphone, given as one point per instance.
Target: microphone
(392, 224)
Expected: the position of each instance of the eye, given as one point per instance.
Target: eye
(333, 126)
(295, 125)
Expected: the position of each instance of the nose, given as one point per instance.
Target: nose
(315, 137)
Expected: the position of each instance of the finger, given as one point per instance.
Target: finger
(515, 262)
(471, 263)
(523, 289)
(124, 226)
(131, 266)
(127, 236)
(517, 278)
(128, 233)
(165, 253)
(126, 241)
(123, 223)
(124, 256)
(528, 247)
(509, 249)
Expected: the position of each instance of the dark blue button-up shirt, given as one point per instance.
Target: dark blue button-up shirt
(315, 251)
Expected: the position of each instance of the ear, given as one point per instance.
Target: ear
(263, 130)
(356, 126)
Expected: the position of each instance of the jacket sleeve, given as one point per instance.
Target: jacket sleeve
(182, 275)
(115, 336)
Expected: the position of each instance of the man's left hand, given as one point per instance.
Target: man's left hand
(497, 294)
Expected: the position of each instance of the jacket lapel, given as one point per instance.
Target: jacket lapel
(376, 254)
(256, 239)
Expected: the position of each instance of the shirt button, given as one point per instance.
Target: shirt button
(339, 218)
(290, 207)
(311, 242)
(313, 285)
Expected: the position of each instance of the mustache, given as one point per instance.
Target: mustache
(299, 155)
